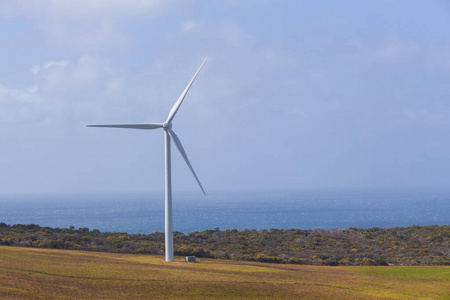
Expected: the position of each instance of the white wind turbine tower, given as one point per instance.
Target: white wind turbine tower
(168, 134)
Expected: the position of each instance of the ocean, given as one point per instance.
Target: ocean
(280, 209)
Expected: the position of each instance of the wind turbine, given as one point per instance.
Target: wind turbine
(168, 135)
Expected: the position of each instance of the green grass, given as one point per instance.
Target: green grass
(412, 272)
(30, 273)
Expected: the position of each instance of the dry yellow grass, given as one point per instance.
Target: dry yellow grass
(28, 273)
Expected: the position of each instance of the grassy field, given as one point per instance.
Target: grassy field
(54, 274)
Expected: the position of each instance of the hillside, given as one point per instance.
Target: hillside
(415, 245)
(30, 273)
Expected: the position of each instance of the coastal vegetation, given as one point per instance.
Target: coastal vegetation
(409, 246)
(32, 273)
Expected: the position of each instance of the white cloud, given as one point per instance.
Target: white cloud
(275, 60)
(63, 88)
(396, 50)
(428, 117)
(233, 35)
(114, 88)
(439, 58)
(86, 71)
(87, 8)
(27, 95)
(88, 35)
(391, 50)
(189, 25)
(18, 105)
(61, 64)
(60, 76)
(300, 113)
(35, 69)
(87, 25)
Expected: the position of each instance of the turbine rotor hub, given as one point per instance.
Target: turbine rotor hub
(167, 125)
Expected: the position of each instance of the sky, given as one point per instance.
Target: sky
(294, 94)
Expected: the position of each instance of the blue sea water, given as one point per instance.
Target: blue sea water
(233, 210)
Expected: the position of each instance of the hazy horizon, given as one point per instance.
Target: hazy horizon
(144, 213)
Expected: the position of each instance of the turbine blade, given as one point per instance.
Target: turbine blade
(132, 126)
(180, 148)
(180, 99)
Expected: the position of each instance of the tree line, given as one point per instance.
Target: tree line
(414, 245)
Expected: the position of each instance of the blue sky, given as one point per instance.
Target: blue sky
(294, 95)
